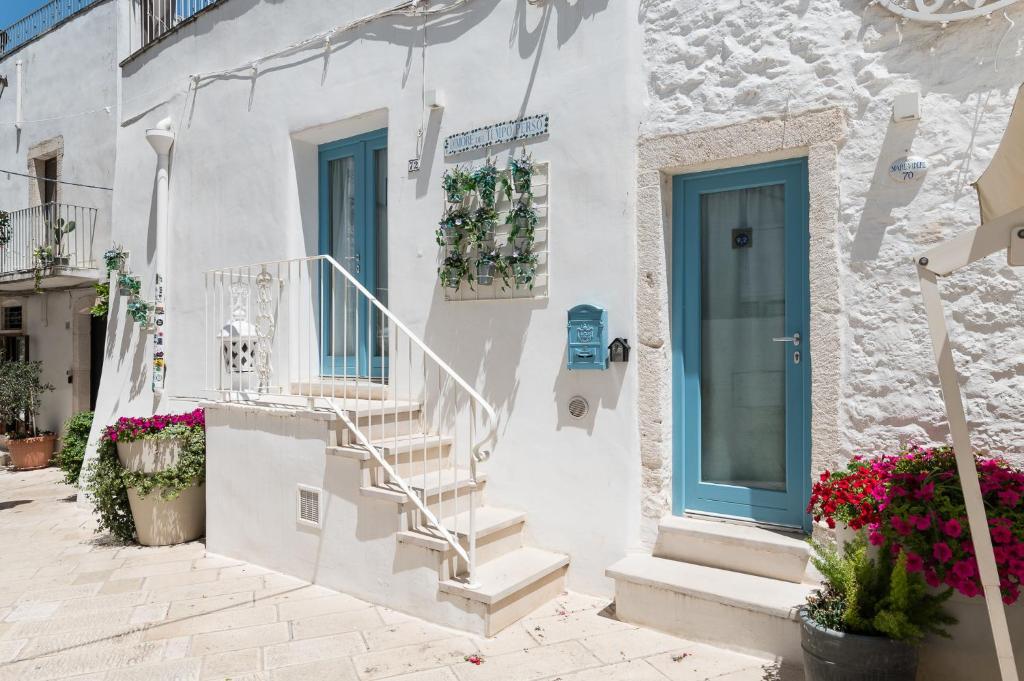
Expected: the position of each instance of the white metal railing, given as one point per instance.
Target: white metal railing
(306, 331)
(153, 19)
(47, 227)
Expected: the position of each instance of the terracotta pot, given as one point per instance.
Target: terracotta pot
(162, 523)
(32, 452)
(159, 522)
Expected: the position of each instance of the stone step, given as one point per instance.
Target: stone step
(513, 585)
(442, 486)
(498, 531)
(340, 387)
(407, 447)
(731, 609)
(731, 546)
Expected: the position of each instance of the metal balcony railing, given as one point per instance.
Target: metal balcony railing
(40, 21)
(154, 19)
(46, 228)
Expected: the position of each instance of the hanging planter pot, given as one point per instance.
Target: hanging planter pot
(116, 260)
(453, 270)
(452, 228)
(485, 272)
(456, 182)
(524, 274)
(127, 285)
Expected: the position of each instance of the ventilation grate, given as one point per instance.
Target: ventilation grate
(578, 407)
(308, 506)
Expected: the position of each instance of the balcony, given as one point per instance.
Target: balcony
(41, 21)
(152, 20)
(42, 237)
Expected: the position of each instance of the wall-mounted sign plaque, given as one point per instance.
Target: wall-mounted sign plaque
(499, 133)
(908, 169)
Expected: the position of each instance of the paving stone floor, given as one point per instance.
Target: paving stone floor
(75, 606)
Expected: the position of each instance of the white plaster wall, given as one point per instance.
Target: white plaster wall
(715, 63)
(68, 74)
(243, 181)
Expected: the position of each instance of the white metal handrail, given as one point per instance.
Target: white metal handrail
(306, 330)
(32, 228)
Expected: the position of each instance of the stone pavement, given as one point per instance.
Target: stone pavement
(74, 606)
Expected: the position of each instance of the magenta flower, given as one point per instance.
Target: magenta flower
(951, 528)
(914, 562)
(942, 552)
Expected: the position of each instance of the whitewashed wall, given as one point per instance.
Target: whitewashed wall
(714, 63)
(70, 76)
(243, 190)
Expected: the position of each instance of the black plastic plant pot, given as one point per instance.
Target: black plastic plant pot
(833, 656)
(485, 273)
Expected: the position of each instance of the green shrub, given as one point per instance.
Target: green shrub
(72, 452)
(875, 596)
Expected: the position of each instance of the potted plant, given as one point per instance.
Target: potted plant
(59, 229)
(453, 227)
(485, 181)
(5, 228)
(453, 270)
(101, 306)
(149, 479)
(485, 221)
(21, 391)
(521, 169)
(139, 310)
(127, 285)
(486, 264)
(456, 182)
(866, 620)
(523, 266)
(522, 221)
(115, 258)
(42, 260)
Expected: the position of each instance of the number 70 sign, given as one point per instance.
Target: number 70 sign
(908, 169)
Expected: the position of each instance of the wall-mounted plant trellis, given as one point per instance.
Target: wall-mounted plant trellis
(494, 231)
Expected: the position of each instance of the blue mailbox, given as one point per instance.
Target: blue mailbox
(588, 338)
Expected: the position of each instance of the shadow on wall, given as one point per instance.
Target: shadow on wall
(884, 195)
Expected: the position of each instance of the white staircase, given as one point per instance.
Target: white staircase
(736, 586)
(412, 429)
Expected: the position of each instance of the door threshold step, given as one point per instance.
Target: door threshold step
(489, 520)
(732, 546)
(507, 575)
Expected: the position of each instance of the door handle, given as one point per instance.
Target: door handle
(794, 339)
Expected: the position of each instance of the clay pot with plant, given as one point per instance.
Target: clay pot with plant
(21, 396)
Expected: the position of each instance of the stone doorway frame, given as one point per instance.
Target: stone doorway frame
(816, 135)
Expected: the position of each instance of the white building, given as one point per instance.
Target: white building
(715, 176)
(59, 108)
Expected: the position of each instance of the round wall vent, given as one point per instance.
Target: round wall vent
(578, 407)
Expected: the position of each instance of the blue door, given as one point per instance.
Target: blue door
(354, 231)
(741, 366)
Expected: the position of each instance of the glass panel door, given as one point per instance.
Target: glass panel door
(740, 343)
(353, 230)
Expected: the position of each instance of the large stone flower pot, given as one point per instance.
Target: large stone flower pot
(833, 656)
(32, 452)
(159, 522)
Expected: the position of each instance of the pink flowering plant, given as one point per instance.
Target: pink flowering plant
(109, 481)
(916, 507)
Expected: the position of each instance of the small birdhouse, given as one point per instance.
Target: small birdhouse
(618, 351)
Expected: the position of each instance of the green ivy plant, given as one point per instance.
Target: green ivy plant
(519, 178)
(489, 263)
(454, 270)
(485, 220)
(101, 308)
(523, 266)
(454, 227)
(73, 443)
(129, 285)
(875, 596)
(485, 182)
(139, 310)
(115, 258)
(456, 182)
(522, 221)
(42, 260)
(109, 482)
(5, 228)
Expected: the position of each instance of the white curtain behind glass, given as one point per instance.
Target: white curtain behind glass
(743, 414)
(342, 211)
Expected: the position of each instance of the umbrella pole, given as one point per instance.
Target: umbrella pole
(968, 472)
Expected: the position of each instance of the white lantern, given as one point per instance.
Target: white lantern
(238, 338)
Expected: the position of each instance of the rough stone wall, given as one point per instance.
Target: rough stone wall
(713, 63)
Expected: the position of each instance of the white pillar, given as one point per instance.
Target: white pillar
(161, 139)
(17, 96)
